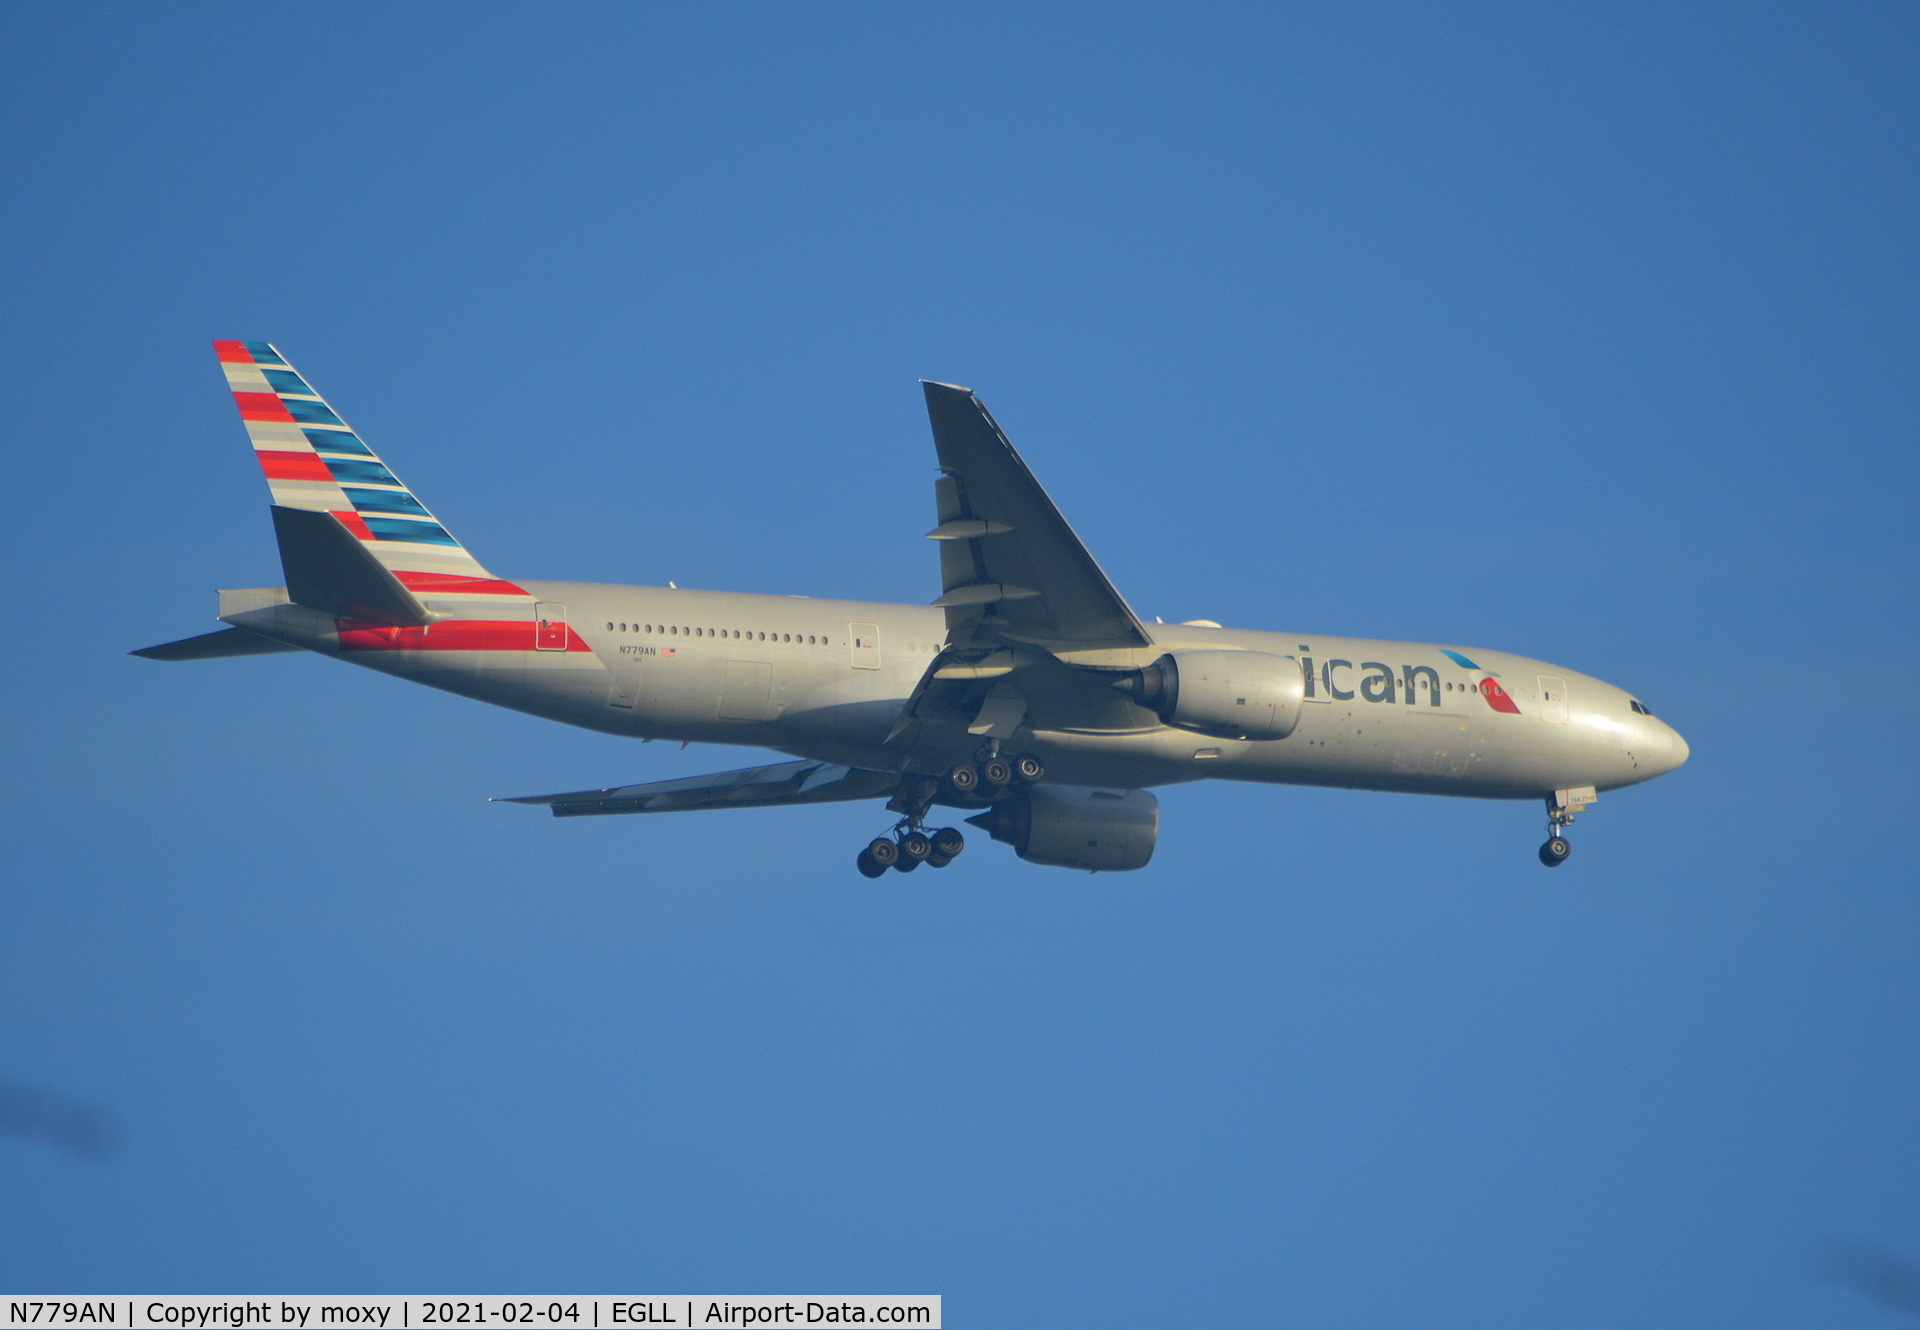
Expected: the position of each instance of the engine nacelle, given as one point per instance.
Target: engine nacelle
(1068, 826)
(1226, 694)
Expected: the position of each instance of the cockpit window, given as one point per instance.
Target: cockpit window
(1639, 708)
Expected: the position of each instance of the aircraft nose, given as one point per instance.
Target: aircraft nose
(1678, 752)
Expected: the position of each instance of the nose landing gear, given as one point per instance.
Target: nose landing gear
(1561, 807)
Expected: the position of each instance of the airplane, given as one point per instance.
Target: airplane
(1028, 693)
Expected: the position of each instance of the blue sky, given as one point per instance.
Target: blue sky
(1582, 333)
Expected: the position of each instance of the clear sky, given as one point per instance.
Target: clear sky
(1582, 332)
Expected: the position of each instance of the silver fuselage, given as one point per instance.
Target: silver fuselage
(732, 668)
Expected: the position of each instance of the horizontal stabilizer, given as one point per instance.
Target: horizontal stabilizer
(212, 646)
(330, 569)
(755, 787)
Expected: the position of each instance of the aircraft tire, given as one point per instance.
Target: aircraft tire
(964, 778)
(938, 861)
(947, 843)
(997, 771)
(868, 868)
(883, 852)
(906, 865)
(1029, 768)
(1555, 851)
(916, 846)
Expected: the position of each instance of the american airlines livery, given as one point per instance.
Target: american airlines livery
(1028, 693)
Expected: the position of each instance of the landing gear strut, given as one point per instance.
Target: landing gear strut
(1559, 818)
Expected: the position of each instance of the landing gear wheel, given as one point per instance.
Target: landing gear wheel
(997, 771)
(883, 852)
(1555, 851)
(915, 846)
(965, 778)
(867, 867)
(938, 861)
(906, 865)
(947, 843)
(1028, 768)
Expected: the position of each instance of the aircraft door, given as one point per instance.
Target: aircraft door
(1553, 699)
(865, 638)
(549, 626)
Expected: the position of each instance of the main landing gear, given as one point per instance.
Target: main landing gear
(975, 784)
(908, 848)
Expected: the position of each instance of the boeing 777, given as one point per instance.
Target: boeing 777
(1027, 693)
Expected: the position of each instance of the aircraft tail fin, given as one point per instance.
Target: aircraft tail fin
(316, 464)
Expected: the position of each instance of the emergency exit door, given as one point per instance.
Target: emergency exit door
(865, 638)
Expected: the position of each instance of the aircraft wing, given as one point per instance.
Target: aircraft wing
(755, 787)
(1018, 588)
(1010, 566)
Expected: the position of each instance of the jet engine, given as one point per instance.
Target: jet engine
(1226, 694)
(1068, 826)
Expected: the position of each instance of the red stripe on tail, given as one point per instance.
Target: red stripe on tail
(453, 585)
(352, 522)
(260, 406)
(293, 466)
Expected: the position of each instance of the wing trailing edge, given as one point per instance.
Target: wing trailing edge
(753, 787)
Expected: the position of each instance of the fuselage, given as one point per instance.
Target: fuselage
(827, 679)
